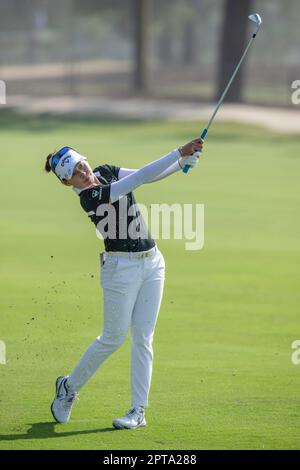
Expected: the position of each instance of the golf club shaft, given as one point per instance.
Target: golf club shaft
(205, 131)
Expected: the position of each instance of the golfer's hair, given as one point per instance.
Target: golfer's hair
(47, 166)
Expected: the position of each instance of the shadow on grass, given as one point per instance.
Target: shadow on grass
(47, 430)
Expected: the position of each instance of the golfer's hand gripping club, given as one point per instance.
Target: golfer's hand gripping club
(187, 167)
(190, 153)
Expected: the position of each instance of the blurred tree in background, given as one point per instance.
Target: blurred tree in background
(233, 42)
(136, 13)
(165, 48)
(140, 14)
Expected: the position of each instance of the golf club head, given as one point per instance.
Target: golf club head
(255, 17)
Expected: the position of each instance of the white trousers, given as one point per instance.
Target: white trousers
(132, 293)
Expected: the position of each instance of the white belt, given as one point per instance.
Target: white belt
(133, 254)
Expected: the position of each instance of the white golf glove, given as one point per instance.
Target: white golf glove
(192, 160)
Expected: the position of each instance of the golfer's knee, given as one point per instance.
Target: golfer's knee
(112, 342)
(139, 338)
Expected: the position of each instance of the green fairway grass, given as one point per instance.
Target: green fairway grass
(223, 376)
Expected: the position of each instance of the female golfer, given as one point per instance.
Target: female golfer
(132, 270)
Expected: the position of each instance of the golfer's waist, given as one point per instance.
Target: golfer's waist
(133, 254)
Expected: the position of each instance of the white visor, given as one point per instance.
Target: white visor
(65, 167)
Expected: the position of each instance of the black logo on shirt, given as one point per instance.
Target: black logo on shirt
(97, 192)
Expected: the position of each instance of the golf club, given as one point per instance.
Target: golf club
(257, 20)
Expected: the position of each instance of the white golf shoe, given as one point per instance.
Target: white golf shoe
(135, 418)
(64, 399)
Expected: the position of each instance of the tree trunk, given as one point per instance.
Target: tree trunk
(233, 42)
(189, 42)
(164, 51)
(140, 15)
